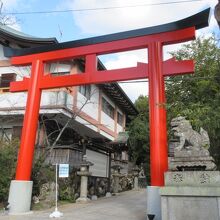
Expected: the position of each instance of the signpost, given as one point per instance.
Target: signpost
(63, 173)
(63, 170)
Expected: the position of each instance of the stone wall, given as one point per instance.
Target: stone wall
(69, 188)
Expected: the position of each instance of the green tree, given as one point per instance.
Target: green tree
(197, 96)
(139, 134)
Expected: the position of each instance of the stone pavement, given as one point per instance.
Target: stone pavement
(129, 205)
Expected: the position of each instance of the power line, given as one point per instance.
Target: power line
(171, 80)
(101, 8)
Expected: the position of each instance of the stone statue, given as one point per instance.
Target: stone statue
(190, 147)
(192, 180)
(141, 173)
(189, 138)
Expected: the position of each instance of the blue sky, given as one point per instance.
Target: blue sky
(46, 25)
(71, 26)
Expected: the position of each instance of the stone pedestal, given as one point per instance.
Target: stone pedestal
(108, 195)
(116, 178)
(191, 195)
(192, 186)
(94, 198)
(84, 173)
(191, 159)
(153, 203)
(20, 197)
(136, 174)
(136, 183)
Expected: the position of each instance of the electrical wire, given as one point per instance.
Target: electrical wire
(101, 8)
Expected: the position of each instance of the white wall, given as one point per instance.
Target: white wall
(91, 107)
(8, 100)
(86, 123)
(105, 119)
(107, 135)
(119, 127)
(53, 98)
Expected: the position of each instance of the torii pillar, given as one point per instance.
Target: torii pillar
(153, 38)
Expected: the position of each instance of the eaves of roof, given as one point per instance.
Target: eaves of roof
(22, 40)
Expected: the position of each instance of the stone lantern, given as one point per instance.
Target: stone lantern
(116, 177)
(84, 173)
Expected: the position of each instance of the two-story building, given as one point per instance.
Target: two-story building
(74, 120)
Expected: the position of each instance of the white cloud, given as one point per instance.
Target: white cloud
(126, 59)
(107, 21)
(134, 90)
(129, 59)
(9, 3)
(115, 20)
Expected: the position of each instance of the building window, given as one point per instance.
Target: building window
(107, 108)
(6, 78)
(85, 90)
(120, 118)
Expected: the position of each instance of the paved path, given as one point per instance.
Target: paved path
(129, 205)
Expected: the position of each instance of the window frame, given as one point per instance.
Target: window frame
(85, 90)
(107, 108)
(120, 122)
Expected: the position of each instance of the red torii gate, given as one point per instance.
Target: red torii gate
(153, 38)
(155, 71)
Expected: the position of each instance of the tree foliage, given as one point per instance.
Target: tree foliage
(139, 134)
(197, 97)
(8, 158)
(41, 173)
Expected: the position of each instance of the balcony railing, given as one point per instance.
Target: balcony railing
(49, 98)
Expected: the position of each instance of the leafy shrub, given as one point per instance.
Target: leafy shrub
(8, 158)
(41, 173)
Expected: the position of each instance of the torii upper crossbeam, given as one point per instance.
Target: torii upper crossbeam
(153, 38)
